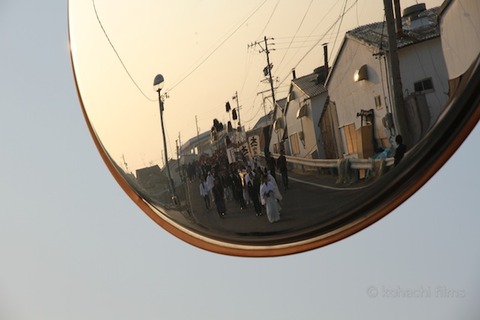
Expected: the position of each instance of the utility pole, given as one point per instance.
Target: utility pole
(196, 124)
(268, 69)
(178, 151)
(198, 132)
(179, 145)
(398, 17)
(269, 66)
(399, 106)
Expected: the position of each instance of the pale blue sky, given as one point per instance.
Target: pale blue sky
(73, 246)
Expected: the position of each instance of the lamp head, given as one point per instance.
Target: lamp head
(158, 82)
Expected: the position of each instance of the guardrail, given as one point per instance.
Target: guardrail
(347, 169)
(358, 164)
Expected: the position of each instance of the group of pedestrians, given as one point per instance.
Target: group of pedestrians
(247, 185)
(212, 190)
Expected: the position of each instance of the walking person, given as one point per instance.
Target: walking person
(204, 193)
(272, 206)
(210, 183)
(219, 197)
(278, 195)
(271, 165)
(246, 197)
(253, 187)
(238, 189)
(282, 166)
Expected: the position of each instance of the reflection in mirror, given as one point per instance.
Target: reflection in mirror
(270, 128)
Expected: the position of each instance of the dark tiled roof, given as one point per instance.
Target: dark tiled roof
(375, 34)
(264, 121)
(281, 103)
(310, 85)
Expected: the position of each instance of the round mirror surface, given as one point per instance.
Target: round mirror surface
(266, 128)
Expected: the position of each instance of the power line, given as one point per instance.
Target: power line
(261, 33)
(218, 47)
(269, 19)
(118, 55)
(253, 117)
(313, 30)
(296, 32)
(319, 40)
(339, 25)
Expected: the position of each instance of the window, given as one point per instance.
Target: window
(349, 138)
(276, 149)
(378, 102)
(423, 85)
(294, 143)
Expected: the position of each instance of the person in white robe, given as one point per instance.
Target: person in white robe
(269, 200)
(278, 195)
(210, 183)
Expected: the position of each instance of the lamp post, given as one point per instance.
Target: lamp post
(158, 85)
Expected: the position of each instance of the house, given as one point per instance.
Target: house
(278, 131)
(359, 84)
(152, 179)
(305, 102)
(195, 146)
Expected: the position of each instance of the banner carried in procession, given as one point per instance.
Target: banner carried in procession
(245, 145)
(254, 145)
(251, 148)
(231, 155)
(245, 151)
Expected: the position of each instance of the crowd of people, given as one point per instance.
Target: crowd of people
(248, 184)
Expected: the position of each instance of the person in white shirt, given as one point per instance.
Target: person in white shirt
(204, 192)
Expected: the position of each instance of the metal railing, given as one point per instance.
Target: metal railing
(347, 170)
(358, 164)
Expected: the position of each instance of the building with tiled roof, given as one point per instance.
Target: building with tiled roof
(295, 129)
(360, 109)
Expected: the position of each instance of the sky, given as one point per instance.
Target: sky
(74, 246)
(207, 51)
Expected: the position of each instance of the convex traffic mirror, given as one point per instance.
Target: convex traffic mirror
(270, 128)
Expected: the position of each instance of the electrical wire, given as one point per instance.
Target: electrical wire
(218, 47)
(319, 40)
(268, 21)
(261, 33)
(339, 25)
(296, 32)
(311, 35)
(118, 55)
(253, 117)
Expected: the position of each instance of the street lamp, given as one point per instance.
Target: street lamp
(158, 85)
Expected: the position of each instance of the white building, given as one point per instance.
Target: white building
(305, 103)
(360, 91)
(278, 131)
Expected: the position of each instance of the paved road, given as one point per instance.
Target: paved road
(311, 202)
